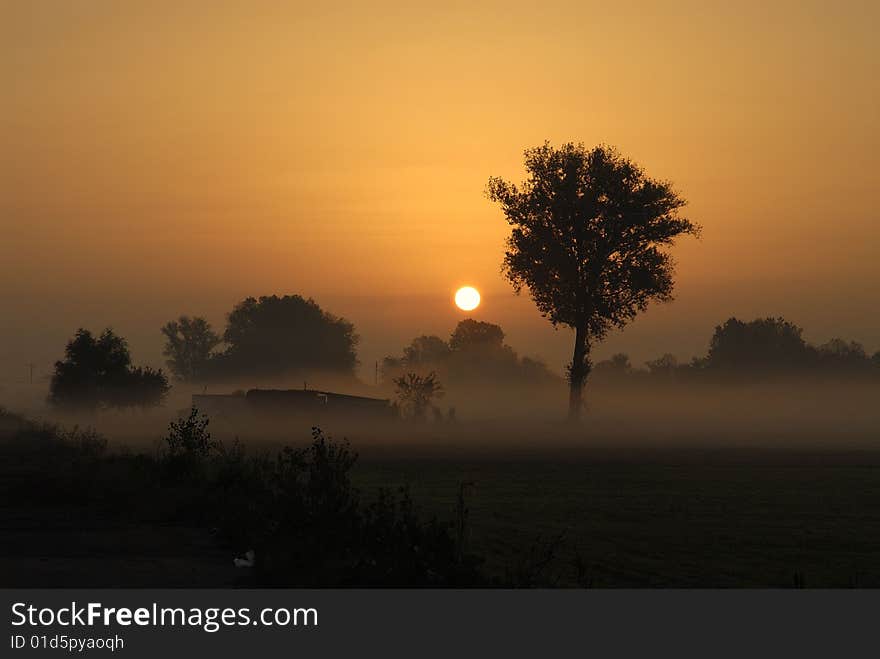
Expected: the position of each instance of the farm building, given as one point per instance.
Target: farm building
(311, 403)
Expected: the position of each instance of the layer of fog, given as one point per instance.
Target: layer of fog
(497, 420)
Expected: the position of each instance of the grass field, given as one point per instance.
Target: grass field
(674, 519)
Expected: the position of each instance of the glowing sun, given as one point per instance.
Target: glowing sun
(467, 298)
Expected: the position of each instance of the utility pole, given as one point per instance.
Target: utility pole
(30, 366)
(376, 377)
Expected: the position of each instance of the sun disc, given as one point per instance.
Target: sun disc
(467, 298)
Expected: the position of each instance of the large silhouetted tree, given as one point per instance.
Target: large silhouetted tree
(97, 372)
(189, 343)
(279, 335)
(589, 228)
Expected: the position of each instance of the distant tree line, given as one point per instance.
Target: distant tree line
(475, 352)
(266, 336)
(284, 335)
(764, 347)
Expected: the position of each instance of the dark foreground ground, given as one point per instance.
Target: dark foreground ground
(652, 518)
(667, 519)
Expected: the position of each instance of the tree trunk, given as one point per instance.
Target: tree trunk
(580, 368)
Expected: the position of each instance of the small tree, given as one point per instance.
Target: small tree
(189, 435)
(588, 231)
(415, 393)
(188, 445)
(189, 343)
(664, 366)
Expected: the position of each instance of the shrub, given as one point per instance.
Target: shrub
(400, 549)
(188, 445)
(415, 393)
(308, 526)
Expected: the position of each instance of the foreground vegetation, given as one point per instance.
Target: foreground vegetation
(74, 513)
(296, 510)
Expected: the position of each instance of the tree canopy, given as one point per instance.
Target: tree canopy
(189, 345)
(274, 335)
(97, 372)
(430, 350)
(763, 343)
(415, 393)
(472, 334)
(589, 229)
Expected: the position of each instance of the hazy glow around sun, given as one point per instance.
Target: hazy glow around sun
(467, 298)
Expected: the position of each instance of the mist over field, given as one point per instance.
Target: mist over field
(515, 422)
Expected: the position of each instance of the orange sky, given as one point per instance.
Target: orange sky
(161, 158)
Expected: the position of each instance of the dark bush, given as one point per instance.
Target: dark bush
(188, 446)
(297, 509)
(308, 526)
